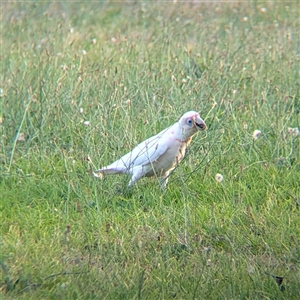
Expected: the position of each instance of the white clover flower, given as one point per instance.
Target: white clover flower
(263, 10)
(219, 177)
(293, 131)
(256, 134)
(64, 67)
(83, 52)
(81, 110)
(94, 41)
(245, 19)
(21, 137)
(86, 123)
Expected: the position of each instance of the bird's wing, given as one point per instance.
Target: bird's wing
(146, 152)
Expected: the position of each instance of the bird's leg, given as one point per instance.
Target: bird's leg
(137, 173)
(164, 181)
(132, 181)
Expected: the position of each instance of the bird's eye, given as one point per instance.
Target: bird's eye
(189, 122)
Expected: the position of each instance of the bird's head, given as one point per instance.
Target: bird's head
(190, 123)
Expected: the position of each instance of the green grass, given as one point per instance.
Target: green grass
(66, 235)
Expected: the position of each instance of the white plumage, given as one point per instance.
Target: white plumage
(158, 155)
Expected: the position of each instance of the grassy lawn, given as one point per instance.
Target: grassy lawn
(83, 83)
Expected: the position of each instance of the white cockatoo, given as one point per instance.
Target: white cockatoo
(158, 155)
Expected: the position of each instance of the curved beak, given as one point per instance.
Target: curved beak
(200, 124)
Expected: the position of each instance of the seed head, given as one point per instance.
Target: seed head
(256, 134)
(219, 177)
